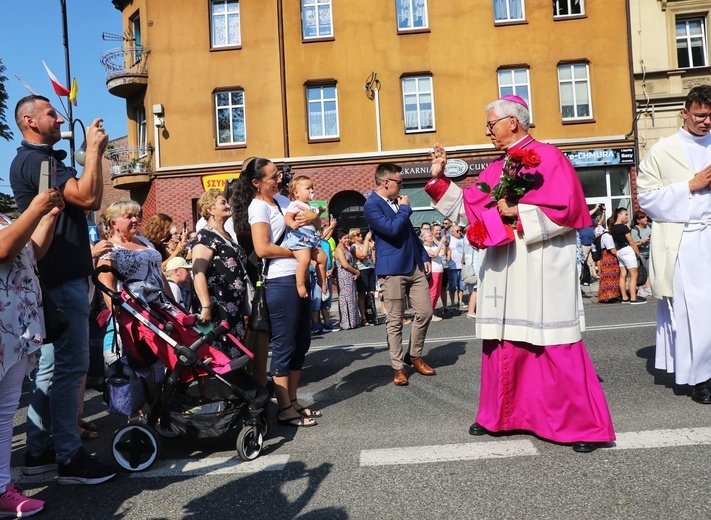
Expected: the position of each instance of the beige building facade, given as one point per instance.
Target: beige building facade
(670, 54)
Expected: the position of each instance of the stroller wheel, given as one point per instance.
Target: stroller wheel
(135, 447)
(249, 443)
(264, 426)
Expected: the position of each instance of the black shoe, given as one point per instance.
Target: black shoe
(477, 429)
(40, 464)
(585, 447)
(407, 359)
(84, 469)
(702, 393)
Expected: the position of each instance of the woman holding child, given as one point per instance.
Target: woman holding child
(259, 207)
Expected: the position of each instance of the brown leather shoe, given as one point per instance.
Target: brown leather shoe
(400, 378)
(422, 367)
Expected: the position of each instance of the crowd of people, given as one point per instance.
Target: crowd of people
(262, 230)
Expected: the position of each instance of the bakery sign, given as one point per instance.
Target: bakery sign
(455, 168)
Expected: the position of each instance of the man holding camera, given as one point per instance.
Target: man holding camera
(402, 266)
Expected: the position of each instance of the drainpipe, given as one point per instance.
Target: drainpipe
(282, 72)
(635, 116)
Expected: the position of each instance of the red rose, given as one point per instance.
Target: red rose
(476, 234)
(516, 155)
(530, 159)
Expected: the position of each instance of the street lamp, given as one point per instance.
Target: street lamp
(80, 154)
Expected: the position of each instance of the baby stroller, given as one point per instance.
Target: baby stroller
(151, 328)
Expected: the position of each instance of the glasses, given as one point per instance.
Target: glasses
(357, 234)
(276, 177)
(456, 231)
(700, 118)
(399, 183)
(490, 124)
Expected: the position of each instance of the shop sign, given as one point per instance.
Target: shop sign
(601, 157)
(455, 168)
(217, 180)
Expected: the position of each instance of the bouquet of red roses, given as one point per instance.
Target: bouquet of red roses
(514, 183)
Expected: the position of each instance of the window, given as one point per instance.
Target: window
(141, 127)
(516, 82)
(568, 8)
(225, 23)
(691, 42)
(411, 14)
(417, 100)
(230, 117)
(508, 10)
(574, 84)
(323, 111)
(316, 19)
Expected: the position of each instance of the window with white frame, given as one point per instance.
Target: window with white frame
(509, 10)
(229, 106)
(141, 130)
(323, 111)
(691, 42)
(411, 14)
(418, 104)
(563, 8)
(316, 19)
(574, 85)
(225, 23)
(516, 82)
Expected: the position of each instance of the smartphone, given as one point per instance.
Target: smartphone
(185, 227)
(44, 180)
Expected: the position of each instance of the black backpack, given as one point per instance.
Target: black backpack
(596, 250)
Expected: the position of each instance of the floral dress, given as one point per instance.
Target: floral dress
(225, 281)
(21, 318)
(347, 294)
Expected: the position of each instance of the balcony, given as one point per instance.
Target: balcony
(130, 167)
(126, 70)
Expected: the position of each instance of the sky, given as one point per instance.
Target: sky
(31, 31)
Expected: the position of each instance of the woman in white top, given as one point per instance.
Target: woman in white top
(435, 253)
(257, 192)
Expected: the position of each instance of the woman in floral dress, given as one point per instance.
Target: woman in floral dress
(609, 287)
(347, 275)
(218, 268)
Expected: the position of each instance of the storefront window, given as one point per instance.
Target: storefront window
(609, 186)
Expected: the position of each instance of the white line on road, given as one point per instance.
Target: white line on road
(663, 438)
(447, 453)
(469, 337)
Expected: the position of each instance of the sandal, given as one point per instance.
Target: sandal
(306, 412)
(88, 435)
(296, 422)
(88, 425)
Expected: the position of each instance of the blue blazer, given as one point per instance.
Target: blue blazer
(397, 246)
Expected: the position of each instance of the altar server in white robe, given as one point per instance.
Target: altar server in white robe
(673, 184)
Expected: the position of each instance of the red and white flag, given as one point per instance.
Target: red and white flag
(58, 87)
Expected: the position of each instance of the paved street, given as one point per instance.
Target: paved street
(383, 452)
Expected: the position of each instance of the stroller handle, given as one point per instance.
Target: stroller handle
(99, 285)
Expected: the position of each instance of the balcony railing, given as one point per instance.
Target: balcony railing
(130, 166)
(126, 69)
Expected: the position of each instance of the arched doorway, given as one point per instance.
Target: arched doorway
(347, 207)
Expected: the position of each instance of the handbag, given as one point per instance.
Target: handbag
(469, 276)
(259, 317)
(641, 273)
(55, 322)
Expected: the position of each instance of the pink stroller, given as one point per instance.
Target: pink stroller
(151, 329)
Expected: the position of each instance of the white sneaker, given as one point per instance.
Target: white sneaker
(436, 318)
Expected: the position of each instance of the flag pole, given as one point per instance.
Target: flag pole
(65, 36)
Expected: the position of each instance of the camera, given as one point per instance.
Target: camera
(286, 176)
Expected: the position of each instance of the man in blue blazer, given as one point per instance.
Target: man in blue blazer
(402, 266)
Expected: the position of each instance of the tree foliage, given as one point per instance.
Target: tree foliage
(5, 131)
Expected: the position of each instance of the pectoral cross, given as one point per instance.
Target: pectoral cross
(495, 297)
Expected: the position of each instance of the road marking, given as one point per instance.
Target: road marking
(663, 438)
(213, 466)
(232, 465)
(447, 453)
(469, 337)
